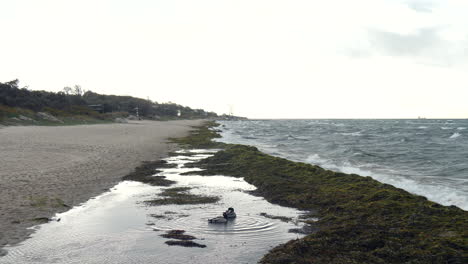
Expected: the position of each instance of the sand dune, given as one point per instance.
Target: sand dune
(45, 169)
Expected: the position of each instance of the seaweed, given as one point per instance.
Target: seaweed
(182, 239)
(360, 219)
(178, 234)
(184, 243)
(41, 220)
(179, 196)
(200, 137)
(146, 171)
(158, 216)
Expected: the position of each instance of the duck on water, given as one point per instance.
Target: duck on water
(228, 214)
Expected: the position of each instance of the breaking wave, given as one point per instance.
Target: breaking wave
(414, 155)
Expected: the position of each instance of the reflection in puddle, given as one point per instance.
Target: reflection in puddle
(117, 227)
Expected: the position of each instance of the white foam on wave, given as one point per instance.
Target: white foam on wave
(353, 134)
(461, 128)
(422, 127)
(441, 194)
(446, 128)
(455, 135)
(315, 159)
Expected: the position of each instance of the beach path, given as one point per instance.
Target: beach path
(47, 169)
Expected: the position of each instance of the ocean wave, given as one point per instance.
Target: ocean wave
(249, 137)
(403, 155)
(353, 134)
(315, 159)
(297, 137)
(338, 124)
(444, 195)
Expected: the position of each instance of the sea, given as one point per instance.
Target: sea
(427, 157)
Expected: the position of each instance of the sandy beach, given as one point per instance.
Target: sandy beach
(45, 170)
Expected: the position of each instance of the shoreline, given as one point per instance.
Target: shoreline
(48, 170)
(360, 219)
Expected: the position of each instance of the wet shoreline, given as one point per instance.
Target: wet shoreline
(46, 170)
(98, 225)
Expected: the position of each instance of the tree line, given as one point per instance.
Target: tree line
(75, 97)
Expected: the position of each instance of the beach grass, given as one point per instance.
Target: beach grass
(17, 116)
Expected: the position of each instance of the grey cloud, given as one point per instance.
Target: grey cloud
(425, 45)
(421, 5)
(400, 44)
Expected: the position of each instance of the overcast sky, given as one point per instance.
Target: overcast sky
(267, 59)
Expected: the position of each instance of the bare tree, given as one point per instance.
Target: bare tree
(78, 90)
(67, 90)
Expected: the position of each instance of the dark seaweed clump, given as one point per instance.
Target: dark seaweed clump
(144, 173)
(201, 137)
(168, 215)
(361, 220)
(180, 195)
(184, 243)
(182, 239)
(178, 234)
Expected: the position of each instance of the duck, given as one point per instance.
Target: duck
(229, 213)
(217, 220)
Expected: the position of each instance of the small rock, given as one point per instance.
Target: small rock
(3, 252)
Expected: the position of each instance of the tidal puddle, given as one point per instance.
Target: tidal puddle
(118, 226)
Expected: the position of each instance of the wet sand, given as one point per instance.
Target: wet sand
(45, 170)
(119, 227)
